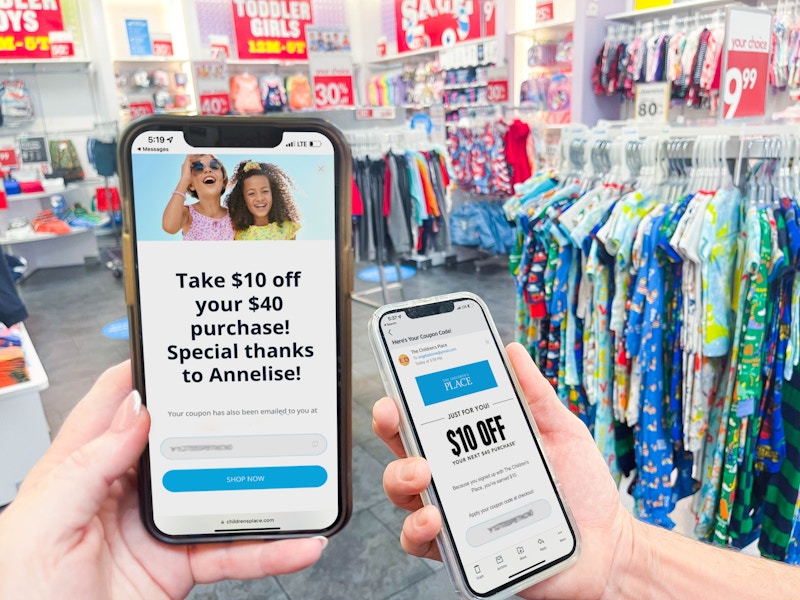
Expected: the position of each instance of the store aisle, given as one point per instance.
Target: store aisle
(69, 308)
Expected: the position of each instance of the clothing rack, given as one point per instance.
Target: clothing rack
(634, 324)
(375, 144)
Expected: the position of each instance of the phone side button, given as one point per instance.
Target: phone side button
(128, 266)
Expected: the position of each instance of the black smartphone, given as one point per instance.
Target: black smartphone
(506, 524)
(238, 270)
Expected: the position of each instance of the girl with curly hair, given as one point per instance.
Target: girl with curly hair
(260, 203)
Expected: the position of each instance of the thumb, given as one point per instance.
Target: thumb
(80, 484)
(548, 411)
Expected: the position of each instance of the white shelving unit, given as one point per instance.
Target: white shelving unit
(24, 434)
(681, 8)
(44, 250)
(588, 29)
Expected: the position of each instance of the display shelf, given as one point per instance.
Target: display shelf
(40, 237)
(399, 59)
(560, 26)
(465, 86)
(53, 65)
(151, 59)
(38, 378)
(33, 195)
(455, 107)
(680, 8)
(24, 433)
(236, 62)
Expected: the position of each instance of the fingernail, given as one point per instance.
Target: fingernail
(128, 412)
(408, 471)
(323, 540)
(420, 519)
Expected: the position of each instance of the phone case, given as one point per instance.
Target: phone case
(344, 283)
(446, 547)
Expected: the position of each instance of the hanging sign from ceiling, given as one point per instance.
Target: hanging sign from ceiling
(271, 29)
(423, 24)
(25, 28)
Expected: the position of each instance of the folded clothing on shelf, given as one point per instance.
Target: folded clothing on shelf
(47, 222)
(19, 228)
(12, 358)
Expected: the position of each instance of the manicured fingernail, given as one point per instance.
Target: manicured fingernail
(323, 540)
(128, 412)
(408, 471)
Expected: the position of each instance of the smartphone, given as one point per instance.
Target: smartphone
(240, 329)
(506, 524)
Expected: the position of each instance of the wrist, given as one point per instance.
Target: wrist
(177, 192)
(633, 558)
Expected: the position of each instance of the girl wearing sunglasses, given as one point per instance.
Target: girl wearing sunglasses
(204, 178)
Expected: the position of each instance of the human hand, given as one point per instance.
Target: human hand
(185, 181)
(74, 530)
(606, 528)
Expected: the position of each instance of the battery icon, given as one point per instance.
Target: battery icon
(315, 144)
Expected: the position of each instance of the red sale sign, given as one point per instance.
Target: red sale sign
(333, 91)
(25, 28)
(215, 104)
(489, 20)
(497, 91)
(544, 11)
(425, 24)
(746, 63)
(162, 47)
(140, 109)
(271, 29)
(8, 158)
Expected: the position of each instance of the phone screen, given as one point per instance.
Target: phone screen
(238, 337)
(497, 497)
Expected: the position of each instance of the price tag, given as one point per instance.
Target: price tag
(61, 44)
(333, 91)
(8, 157)
(746, 60)
(652, 102)
(544, 11)
(378, 112)
(162, 47)
(140, 109)
(497, 91)
(215, 104)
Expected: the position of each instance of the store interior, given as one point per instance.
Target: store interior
(526, 124)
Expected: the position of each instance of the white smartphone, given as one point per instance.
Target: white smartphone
(506, 524)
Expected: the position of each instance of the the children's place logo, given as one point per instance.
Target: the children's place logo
(454, 383)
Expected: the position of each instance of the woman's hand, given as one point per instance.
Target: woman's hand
(604, 524)
(74, 530)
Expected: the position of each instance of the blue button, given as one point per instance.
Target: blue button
(255, 478)
(454, 383)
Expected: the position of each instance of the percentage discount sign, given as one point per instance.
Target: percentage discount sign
(544, 11)
(333, 91)
(140, 109)
(744, 92)
(215, 104)
(162, 48)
